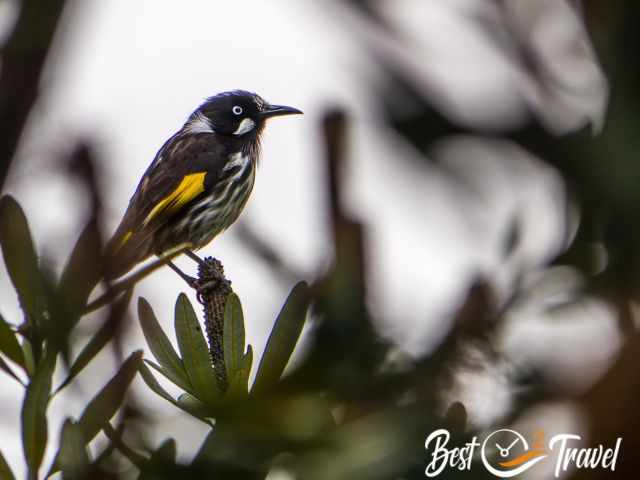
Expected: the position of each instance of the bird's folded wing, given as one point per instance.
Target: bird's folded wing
(185, 167)
(189, 188)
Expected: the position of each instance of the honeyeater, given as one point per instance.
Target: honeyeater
(198, 182)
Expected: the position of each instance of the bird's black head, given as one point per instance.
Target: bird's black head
(236, 113)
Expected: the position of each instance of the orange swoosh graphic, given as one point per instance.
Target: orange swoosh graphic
(522, 458)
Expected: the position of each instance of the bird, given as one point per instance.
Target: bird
(197, 184)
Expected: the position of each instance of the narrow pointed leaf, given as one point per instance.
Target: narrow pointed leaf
(9, 344)
(5, 470)
(170, 376)
(34, 414)
(21, 259)
(160, 345)
(108, 400)
(233, 335)
(239, 382)
(29, 361)
(155, 386)
(7, 369)
(73, 458)
(246, 368)
(82, 271)
(192, 405)
(247, 359)
(104, 334)
(194, 351)
(283, 338)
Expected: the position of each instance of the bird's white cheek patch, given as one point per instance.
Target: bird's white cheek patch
(245, 126)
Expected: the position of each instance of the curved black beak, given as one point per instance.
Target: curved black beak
(278, 110)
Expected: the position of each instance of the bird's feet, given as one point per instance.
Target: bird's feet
(191, 281)
(211, 279)
(194, 257)
(206, 287)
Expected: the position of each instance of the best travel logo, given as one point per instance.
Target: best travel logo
(506, 453)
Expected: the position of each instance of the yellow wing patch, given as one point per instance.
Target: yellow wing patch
(190, 187)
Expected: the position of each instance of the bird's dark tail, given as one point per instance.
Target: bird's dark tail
(124, 251)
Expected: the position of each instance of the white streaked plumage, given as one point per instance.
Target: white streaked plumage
(237, 160)
(218, 210)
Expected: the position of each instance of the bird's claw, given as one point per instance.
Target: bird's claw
(204, 287)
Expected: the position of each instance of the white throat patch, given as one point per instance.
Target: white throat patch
(245, 126)
(199, 124)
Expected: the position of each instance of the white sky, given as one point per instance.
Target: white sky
(133, 71)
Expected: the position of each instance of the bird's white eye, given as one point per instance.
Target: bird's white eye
(237, 110)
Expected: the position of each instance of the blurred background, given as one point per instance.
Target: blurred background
(490, 145)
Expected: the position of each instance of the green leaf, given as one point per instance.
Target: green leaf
(34, 414)
(155, 386)
(169, 376)
(161, 347)
(21, 259)
(82, 272)
(73, 458)
(283, 338)
(239, 382)
(191, 404)
(29, 361)
(233, 335)
(104, 334)
(195, 354)
(238, 387)
(9, 343)
(247, 360)
(5, 470)
(108, 400)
